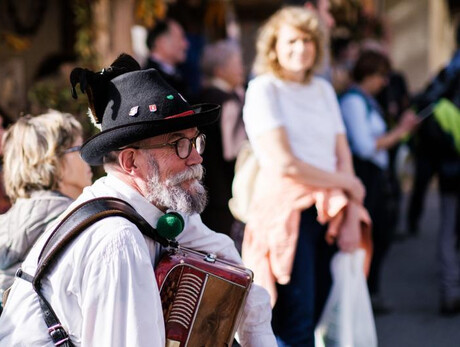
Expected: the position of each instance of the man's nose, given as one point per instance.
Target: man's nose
(194, 157)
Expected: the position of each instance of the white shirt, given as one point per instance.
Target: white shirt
(309, 113)
(104, 290)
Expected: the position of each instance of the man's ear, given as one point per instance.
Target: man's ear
(127, 160)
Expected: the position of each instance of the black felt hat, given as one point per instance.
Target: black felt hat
(132, 105)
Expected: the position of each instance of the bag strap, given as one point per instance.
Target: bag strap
(81, 218)
(356, 91)
(72, 225)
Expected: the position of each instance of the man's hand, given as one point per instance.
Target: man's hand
(409, 121)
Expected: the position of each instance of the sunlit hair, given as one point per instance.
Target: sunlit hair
(216, 55)
(33, 149)
(298, 17)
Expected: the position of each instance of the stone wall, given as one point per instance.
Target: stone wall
(421, 37)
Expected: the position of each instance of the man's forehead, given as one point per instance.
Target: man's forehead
(176, 134)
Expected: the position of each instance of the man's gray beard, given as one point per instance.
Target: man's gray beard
(172, 195)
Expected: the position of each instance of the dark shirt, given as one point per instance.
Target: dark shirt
(175, 79)
(445, 85)
(219, 172)
(431, 140)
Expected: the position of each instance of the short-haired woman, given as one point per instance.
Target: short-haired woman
(369, 141)
(43, 174)
(294, 125)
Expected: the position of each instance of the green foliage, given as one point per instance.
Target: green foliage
(86, 33)
(54, 93)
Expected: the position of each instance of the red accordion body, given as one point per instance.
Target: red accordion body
(202, 298)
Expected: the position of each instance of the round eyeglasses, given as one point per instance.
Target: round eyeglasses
(183, 146)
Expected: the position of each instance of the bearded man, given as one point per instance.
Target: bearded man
(103, 288)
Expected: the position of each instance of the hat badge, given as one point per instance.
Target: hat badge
(153, 108)
(133, 111)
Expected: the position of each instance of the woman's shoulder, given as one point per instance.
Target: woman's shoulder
(321, 82)
(265, 81)
(54, 198)
(324, 87)
(30, 216)
(353, 103)
(41, 206)
(352, 96)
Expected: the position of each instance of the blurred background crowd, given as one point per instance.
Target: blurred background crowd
(392, 65)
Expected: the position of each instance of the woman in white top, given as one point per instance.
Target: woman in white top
(294, 125)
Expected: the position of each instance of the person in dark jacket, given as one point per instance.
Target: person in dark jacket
(436, 144)
(394, 99)
(223, 69)
(168, 47)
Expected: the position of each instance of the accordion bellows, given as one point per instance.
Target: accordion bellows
(202, 298)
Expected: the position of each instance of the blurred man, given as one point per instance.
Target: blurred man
(168, 48)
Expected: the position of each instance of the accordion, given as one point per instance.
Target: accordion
(202, 297)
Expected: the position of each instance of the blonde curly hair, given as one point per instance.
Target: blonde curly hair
(32, 152)
(266, 60)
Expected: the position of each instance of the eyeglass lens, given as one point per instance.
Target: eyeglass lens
(184, 145)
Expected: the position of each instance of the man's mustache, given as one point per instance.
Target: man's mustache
(193, 172)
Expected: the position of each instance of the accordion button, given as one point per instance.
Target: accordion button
(210, 258)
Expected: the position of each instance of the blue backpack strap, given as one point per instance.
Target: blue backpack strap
(358, 92)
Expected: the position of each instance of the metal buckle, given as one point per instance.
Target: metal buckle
(58, 329)
(210, 258)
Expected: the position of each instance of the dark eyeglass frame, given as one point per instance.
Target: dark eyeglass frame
(192, 143)
(72, 149)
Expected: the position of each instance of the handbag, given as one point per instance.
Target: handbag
(347, 319)
(246, 172)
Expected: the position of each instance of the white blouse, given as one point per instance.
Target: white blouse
(309, 113)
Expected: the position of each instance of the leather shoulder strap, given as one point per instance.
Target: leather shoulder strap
(72, 225)
(81, 218)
